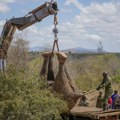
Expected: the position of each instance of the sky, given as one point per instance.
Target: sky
(82, 23)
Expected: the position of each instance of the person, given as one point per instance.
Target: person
(84, 101)
(114, 98)
(110, 102)
(117, 103)
(99, 102)
(107, 84)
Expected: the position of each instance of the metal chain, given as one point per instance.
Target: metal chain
(55, 31)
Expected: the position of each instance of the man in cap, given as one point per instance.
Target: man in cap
(107, 84)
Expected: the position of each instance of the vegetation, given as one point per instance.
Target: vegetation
(25, 96)
(18, 53)
(87, 69)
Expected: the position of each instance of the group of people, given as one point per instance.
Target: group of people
(110, 100)
(113, 102)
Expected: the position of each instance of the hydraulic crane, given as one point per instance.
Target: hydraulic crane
(36, 15)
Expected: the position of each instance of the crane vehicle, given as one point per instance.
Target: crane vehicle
(36, 15)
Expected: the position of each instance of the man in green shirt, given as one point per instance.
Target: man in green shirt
(107, 84)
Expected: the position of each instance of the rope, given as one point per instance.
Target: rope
(87, 93)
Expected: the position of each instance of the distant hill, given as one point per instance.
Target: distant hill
(72, 50)
(81, 50)
(37, 48)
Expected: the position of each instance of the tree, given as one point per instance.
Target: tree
(18, 53)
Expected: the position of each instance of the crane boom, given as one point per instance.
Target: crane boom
(36, 15)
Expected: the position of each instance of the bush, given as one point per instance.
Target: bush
(25, 96)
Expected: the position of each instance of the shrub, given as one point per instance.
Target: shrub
(25, 96)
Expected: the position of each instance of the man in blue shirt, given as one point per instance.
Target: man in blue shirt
(114, 97)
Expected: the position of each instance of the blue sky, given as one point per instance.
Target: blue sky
(82, 23)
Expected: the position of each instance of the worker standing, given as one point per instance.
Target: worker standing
(107, 84)
(99, 103)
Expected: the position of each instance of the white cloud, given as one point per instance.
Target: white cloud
(92, 37)
(1, 25)
(95, 22)
(103, 17)
(7, 1)
(99, 21)
(37, 36)
(63, 10)
(118, 41)
(4, 8)
(75, 2)
(4, 5)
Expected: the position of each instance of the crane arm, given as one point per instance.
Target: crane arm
(36, 15)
